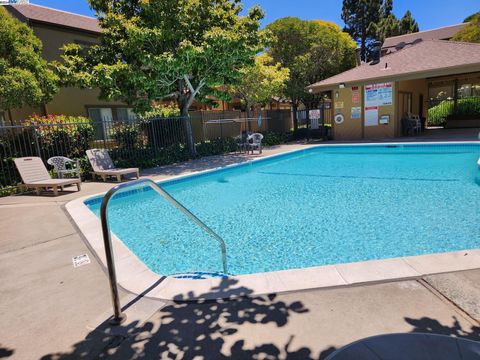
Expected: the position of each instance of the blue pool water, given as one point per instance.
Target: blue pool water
(319, 206)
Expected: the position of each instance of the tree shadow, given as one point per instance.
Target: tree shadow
(192, 327)
(5, 352)
(433, 326)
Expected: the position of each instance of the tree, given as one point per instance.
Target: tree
(312, 51)
(471, 17)
(386, 27)
(260, 82)
(471, 32)
(25, 78)
(371, 20)
(357, 16)
(177, 49)
(389, 26)
(408, 24)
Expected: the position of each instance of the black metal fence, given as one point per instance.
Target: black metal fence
(140, 143)
(442, 111)
(316, 122)
(146, 143)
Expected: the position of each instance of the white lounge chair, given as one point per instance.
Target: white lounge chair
(102, 165)
(35, 175)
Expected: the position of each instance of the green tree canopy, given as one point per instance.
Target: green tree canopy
(177, 49)
(389, 26)
(311, 50)
(371, 20)
(471, 17)
(25, 78)
(260, 82)
(358, 15)
(471, 32)
(408, 24)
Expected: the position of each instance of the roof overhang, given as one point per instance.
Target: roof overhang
(454, 70)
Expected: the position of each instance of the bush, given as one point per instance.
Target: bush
(437, 115)
(162, 110)
(216, 147)
(72, 138)
(148, 158)
(126, 135)
(467, 107)
(271, 138)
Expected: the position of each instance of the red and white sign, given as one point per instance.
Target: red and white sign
(371, 116)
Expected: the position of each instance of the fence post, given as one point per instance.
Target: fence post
(154, 134)
(37, 145)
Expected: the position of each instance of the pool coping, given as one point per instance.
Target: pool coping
(134, 276)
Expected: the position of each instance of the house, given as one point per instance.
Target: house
(56, 28)
(421, 74)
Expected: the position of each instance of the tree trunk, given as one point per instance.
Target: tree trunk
(188, 130)
(295, 119)
(184, 105)
(249, 115)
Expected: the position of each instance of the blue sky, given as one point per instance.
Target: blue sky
(429, 13)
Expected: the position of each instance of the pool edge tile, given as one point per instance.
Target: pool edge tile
(376, 270)
(445, 262)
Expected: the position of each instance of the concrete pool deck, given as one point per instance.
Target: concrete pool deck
(51, 310)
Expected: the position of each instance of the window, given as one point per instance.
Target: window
(468, 90)
(126, 114)
(440, 92)
(100, 117)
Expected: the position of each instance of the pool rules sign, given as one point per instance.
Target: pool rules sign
(376, 95)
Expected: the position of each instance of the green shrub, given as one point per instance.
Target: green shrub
(271, 138)
(148, 158)
(467, 107)
(162, 110)
(71, 137)
(216, 147)
(437, 115)
(126, 135)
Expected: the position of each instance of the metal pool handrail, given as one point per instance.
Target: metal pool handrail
(119, 317)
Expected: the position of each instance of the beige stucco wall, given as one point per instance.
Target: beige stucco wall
(62, 102)
(353, 129)
(416, 88)
(53, 39)
(350, 129)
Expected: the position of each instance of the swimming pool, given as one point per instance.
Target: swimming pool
(319, 206)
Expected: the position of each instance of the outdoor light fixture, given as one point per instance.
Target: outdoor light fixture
(337, 94)
(310, 90)
(341, 86)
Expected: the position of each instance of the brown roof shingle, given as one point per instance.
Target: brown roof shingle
(421, 60)
(443, 33)
(47, 15)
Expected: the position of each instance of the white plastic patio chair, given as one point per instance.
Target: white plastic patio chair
(59, 164)
(255, 142)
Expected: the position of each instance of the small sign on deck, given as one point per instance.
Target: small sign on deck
(80, 260)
